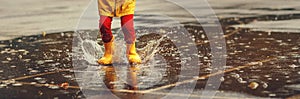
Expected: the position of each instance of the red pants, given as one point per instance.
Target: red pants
(127, 28)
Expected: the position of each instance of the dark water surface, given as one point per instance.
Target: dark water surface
(263, 64)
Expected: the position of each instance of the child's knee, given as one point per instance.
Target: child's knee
(107, 38)
(105, 28)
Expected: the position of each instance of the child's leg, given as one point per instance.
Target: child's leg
(128, 28)
(129, 33)
(107, 38)
(105, 28)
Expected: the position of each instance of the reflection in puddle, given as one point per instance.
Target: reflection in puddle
(111, 77)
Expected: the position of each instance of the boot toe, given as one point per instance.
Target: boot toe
(104, 61)
(135, 59)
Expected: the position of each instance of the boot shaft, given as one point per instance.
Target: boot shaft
(109, 47)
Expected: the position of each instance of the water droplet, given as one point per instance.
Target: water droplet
(205, 58)
(267, 76)
(20, 56)
(279, 41)
(13, 54)
(235, 38)
(236, 75)
(222, 79)
(242, 82)
(242, 44)
(240, 79)
(38, 78)
(253, 63)
(219, 47)
(264, 49)
(17, 84)
(3, 85)
(272, 95)
(33, 71)
(42, 81)
(293, 66)
(33, 83)
(9, 59)
(295, 48)
(287, 76)
(186, 50)
(228, 42)
(26, 60)
(21, 50)
(12, 81)
(201, 78)
(68, 76)
(265, 85)
(62, 34)
(40, 93)
(282, 57)
(206, 41)
(53, 87)
(269, 33)
(47, 61)
(202, 36)
(19, 40)
(270, 78)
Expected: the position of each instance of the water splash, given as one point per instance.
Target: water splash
(150, 49)
(150, 72)
(91, 51)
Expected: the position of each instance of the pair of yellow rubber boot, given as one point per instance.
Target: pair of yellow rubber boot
(131, 53)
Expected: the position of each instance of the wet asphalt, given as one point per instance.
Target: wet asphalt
(262, 64)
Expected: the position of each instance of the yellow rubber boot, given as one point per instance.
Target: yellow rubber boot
(132, 55)
(108, 53)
